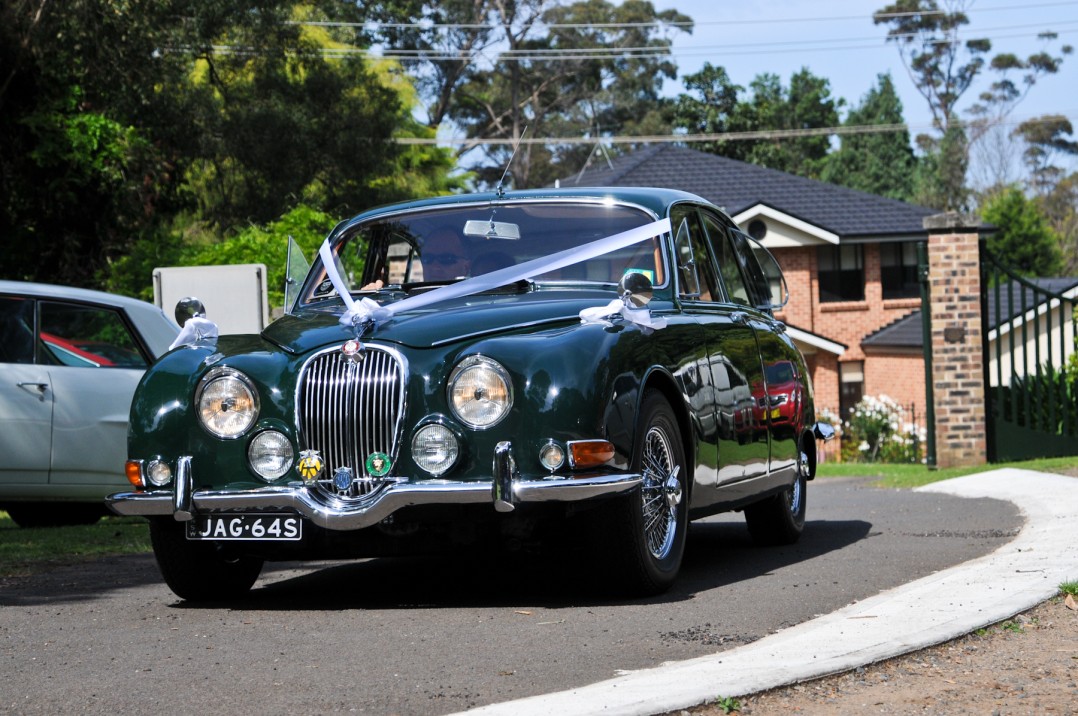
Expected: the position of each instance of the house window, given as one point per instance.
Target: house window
(851, 386)
(841, 272)
(898, 270)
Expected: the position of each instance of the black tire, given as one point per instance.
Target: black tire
(199, 571)
(54, 514)
(780, 519)
(641, 536)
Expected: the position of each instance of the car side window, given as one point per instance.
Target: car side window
(695, 270)
(765, 272)
(729, 265)
(87, 337)
(16, 330)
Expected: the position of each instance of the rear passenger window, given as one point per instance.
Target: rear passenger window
(729, 266)
(87, 336)
(16, 330)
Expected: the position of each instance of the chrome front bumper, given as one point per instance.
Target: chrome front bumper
(504, 492)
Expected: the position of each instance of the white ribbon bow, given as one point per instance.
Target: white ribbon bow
(619, 307)
(195, 330)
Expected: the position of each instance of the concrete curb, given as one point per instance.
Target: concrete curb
(929, 611)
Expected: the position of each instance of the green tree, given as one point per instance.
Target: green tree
(940, 177)
(713, 105)
(879, 163)
(1022, 237)
(491, 68)
(806, 104)
(707, 106)
(127, 129)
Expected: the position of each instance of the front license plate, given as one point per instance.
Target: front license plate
(775, 412)
(246, 527)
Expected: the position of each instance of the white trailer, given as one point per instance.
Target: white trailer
(234, 296)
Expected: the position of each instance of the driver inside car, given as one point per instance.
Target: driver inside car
(443, 256)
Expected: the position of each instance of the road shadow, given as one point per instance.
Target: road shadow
(717, 554)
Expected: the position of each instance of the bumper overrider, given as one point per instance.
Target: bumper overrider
(504, 491)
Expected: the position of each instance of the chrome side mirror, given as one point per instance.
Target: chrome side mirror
(189, 307)
(636, 289)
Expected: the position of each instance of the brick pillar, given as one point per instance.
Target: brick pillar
(957, 349)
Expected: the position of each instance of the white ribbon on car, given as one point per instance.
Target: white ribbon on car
(358, 314)
(195, 330)
(620, 307)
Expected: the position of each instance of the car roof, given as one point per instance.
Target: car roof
(156, 327)
(656, 200)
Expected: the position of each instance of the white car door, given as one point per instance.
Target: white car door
(26, 401)
(95, 365)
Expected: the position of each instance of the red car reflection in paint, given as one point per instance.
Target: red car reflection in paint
(780, 402)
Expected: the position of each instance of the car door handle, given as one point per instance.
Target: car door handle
(739, 317)
(42, 387)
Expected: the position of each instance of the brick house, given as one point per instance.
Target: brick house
(849, 258)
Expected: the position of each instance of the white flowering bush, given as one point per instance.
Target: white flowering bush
(878, 431)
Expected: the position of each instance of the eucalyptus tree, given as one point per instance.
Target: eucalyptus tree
(945, 66)
(488, 69)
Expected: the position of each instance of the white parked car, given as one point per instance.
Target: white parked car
(69, 363)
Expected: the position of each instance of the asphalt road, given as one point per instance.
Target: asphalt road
(437, 636)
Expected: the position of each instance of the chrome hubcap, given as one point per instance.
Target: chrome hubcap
(661, 493)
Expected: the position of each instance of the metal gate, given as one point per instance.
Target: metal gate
(1029, 330)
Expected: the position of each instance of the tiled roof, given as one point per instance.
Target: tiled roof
(906, 332)
(736, 186)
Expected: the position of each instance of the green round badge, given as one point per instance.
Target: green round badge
(378, 464)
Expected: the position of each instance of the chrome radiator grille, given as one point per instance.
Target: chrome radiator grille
(349, 411)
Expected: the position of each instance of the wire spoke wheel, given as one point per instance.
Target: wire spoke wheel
(638, 539)
(660, 519)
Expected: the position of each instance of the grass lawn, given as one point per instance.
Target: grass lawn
(23, 550)
(916, 475)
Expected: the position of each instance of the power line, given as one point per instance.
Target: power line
(422, 25)
(719, 137)
(651, 52)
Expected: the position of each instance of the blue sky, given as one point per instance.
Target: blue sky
(837, 40)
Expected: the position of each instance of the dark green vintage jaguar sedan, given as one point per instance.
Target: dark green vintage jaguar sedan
(583, 368)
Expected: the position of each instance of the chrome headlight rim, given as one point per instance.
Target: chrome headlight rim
(227, 373)
(453, 431)
(470, 363)
(256, 443)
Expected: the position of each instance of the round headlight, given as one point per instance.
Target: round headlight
(227, 403)
(435, 449)
(480, 393)
(270, 455)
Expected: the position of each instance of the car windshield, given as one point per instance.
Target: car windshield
(782, 372)
(449, 244)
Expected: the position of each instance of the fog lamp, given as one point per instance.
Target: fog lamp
(158, 473)
(552, 456)
(435, 449)
(270, 455)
